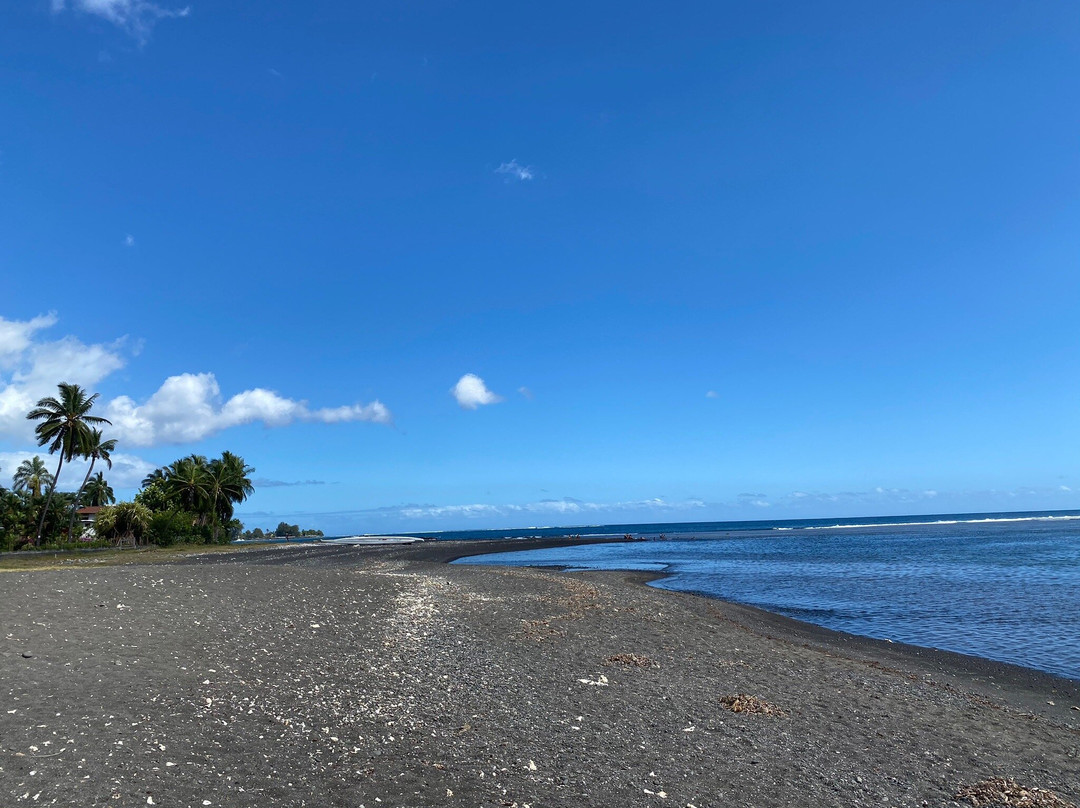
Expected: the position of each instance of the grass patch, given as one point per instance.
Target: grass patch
(79, 559)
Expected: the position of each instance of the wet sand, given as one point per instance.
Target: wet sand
(359, 676)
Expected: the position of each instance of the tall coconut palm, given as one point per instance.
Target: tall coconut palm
(98, 492)
(94, 448)
(65, 424)
(153, 477)
(228, 484)
(187, 482)
(32, 476)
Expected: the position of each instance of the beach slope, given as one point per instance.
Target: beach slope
(359, 676)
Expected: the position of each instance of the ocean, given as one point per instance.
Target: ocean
(1003, 586)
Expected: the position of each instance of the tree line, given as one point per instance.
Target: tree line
(189, 500)
(283, 531)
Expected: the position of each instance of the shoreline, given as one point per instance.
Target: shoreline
(993, 675)
(361, 676)
(990, 675)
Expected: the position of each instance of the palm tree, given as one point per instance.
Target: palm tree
(95, 449)
(32, 476)
(153, 477)
(187, 482)
(65, 424)
(229, 484)
(98, 492)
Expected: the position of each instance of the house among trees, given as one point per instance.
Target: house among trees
(86, 516)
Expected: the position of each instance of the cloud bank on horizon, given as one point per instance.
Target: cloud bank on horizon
(185, 409)
(569, 511)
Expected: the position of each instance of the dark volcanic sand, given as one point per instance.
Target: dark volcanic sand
(341, 676)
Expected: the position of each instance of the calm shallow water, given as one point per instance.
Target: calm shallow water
(1006, 590)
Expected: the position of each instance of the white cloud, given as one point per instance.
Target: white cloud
(515, 171)
(129, 240)
(471, 392)
(136, 17)
(712, 394)
(187, 408)
(34, 367)
(9, 461)
(15, 337)
(127, 470)
(525, 391)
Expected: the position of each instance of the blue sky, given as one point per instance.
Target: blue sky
(724, 260)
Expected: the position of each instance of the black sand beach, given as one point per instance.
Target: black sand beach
(347, 676)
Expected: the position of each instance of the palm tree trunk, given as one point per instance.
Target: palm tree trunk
(48, 501)
(78, 497)
(217, 522)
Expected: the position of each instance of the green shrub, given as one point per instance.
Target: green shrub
(173, 527)
(126, 520)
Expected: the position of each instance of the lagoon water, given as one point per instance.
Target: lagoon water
(1000, 586)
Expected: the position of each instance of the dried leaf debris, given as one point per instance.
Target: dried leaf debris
(630, 660)
(742, 703)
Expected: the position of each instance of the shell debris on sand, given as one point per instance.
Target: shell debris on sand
(417, 682)
(1005, 791)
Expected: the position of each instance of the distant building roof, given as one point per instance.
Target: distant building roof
(89, 510)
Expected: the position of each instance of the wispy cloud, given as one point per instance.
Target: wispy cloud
(136, 17)
(879, 495)
(526, 392)
(516, 172)
(756, 500)
(712, 394)
(564, 506)
(471, 392)
(429, 516)
(129, 240)
(262, 482)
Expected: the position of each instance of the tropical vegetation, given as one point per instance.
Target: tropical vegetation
(97, 492)
(31, 476)
(191, 500)
(66, 426)
(94, 448)
(283, 531)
